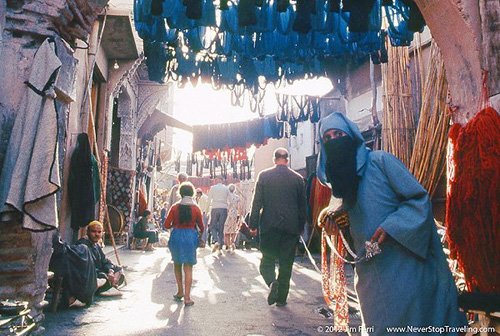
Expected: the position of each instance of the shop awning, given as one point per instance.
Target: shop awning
(118, 38)
(157, 121)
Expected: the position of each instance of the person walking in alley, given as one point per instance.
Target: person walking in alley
(163, 212)
(232, 224)
(173, 195)
(109, 275)
(186, 220)
(279, 211)
(406, 281)
(202, 201)
(217, 199)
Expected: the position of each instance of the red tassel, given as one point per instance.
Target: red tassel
(472, 215)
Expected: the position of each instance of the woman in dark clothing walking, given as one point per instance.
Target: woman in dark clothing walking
(187, 222)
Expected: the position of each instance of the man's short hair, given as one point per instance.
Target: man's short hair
(280, 153)
(182, 177)
(95, 224)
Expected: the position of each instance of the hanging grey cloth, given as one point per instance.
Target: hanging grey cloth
(30, 174)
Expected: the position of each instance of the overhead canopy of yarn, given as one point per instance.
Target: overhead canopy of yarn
(256, 42)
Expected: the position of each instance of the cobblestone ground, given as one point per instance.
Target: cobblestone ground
(229, 294)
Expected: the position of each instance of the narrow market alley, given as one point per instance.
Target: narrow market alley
(368, 129)
(230, 298)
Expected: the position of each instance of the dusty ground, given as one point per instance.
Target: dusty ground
(229, 294)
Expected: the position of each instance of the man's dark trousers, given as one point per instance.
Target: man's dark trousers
(278, 245)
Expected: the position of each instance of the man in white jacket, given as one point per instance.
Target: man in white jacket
(217, 200)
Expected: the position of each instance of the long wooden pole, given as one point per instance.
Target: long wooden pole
(91, 128)
(106, 213)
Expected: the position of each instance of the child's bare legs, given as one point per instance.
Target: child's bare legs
(227, 240)
(232, 240)
(178, 279)
(188, 273)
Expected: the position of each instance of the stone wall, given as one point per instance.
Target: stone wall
(16, 254)
(456, 25)
(25, 259)
(24, 24)
(24, 255)
(70, 19)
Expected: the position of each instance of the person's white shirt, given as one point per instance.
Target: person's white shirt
(217, 196)
(203, 203)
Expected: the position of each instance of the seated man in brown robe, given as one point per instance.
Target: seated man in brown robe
(109, 275)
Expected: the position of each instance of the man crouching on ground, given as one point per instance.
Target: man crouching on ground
(109, 275)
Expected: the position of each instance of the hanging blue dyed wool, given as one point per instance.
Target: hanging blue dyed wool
(193, 9)
(246, 13)
(156, 7)
(302, 22)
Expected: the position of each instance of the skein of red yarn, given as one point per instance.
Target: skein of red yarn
(472, 216)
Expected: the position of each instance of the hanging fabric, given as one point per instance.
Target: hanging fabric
(247, 15)
(302, 21)
(30, 178)
(83, 184)
(288, 33)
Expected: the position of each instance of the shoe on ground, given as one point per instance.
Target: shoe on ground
(215, 247)
(112, 292)
(178, 298)
(101, 282)
(273, 293)
(121, 280)
(77, 304)
(280, 304)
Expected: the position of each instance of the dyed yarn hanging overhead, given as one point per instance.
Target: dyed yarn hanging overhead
(289, 32)
(473, 200)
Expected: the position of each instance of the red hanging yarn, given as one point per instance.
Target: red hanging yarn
(320, 197)
(472, 216)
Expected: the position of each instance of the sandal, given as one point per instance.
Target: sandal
(188, 303)
(178, 298)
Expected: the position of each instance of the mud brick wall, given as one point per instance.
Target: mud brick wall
(120, 191)
(16, 253)
(25, 255)
(24, 262)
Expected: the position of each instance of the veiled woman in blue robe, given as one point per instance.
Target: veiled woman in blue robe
(409, 283)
